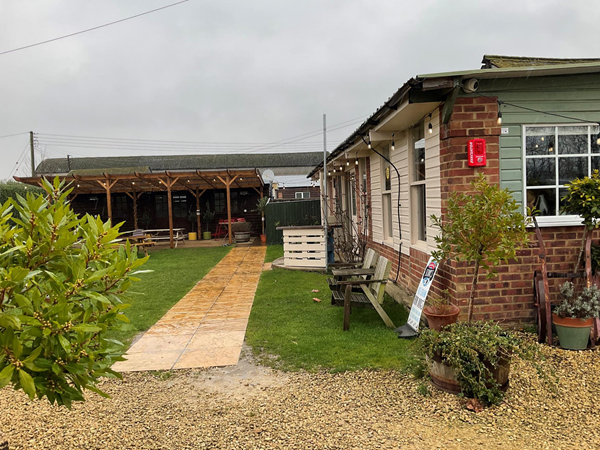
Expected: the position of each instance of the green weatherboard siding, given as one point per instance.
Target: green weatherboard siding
(573, 96)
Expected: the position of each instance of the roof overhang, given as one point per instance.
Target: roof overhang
(155, 181)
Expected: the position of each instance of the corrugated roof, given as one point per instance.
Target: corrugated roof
(129, 164)
(503, 61)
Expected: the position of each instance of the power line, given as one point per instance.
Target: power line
(16, 134)
(91, 29)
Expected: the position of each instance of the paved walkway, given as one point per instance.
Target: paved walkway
(207, 326)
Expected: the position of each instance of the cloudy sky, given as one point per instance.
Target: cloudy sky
(238, 75)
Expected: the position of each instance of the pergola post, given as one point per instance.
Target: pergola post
(229, 206)
(169, 183)
(107, 185)
(135, 211)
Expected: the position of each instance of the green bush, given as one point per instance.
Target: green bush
(12, 189)
(62, 286)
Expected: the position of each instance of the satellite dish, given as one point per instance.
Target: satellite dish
(268, 176)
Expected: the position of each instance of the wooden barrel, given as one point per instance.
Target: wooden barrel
(444, 377)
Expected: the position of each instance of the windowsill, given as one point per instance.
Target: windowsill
(421, 246)
(558, 221)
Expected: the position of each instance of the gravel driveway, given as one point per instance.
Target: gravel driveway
(251, 407)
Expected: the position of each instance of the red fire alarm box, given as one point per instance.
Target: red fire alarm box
(477, 155)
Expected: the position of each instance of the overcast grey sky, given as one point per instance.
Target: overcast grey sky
(247, 71)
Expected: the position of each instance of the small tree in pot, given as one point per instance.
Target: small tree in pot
(208, 216)
(261, 206)
(485, 227)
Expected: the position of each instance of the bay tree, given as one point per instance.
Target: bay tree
(63, 286)
(484, 227)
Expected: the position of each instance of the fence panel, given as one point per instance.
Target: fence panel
(292, 213)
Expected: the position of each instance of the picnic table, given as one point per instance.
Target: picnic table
(162, 234)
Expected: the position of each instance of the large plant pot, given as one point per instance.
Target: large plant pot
(242, 236)
(573, 334)
(444, 377)
(193, 236)
(437, 321)
(206, 235)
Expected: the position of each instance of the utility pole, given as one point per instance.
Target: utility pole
(32, 150)
(324, 194)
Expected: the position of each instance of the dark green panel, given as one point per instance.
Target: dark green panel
(281, 214)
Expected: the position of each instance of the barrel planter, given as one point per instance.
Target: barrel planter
(444, 377)
(241, 236)
(438, 320)
(573, 334)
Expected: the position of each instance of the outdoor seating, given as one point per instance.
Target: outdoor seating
(163, 234)
(342, 271)
(371, 296)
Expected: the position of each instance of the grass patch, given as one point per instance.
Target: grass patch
(176, 271)
(274, 252)
(289, 331)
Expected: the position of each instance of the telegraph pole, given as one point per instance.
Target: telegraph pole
(32, 148)
(324, 194)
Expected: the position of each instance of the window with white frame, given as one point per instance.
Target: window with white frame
(386, 193)
(303, 194)
(418, 186)
(554, 156)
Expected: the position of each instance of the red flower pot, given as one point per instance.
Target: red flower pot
(438, 319)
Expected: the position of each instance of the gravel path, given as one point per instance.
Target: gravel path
(250, 407)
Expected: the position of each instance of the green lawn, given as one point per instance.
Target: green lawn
(274, 252)
(175, 272)
(289, 331)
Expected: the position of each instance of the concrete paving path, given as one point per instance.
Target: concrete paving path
(206, 327)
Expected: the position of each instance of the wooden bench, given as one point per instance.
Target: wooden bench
(371, 296)
(342, 271)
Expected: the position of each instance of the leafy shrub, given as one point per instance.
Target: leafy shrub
(63, 284)
(584, 306)
(12, 189)
(583, 199)
(473, 351)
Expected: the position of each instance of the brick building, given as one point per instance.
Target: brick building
(550, 109)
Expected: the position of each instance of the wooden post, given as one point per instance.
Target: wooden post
(107, 185)
(227, 184)
(198, 211)
(135, 212)
(170, 204)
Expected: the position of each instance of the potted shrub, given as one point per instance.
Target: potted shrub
(440, 312)
(207, 216)
(261, 206)
(193, 218)
(483, 227)
(241, 231)
(574, 316)
(473, 358)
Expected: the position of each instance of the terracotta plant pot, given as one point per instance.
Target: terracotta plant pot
(263, 238)
(573, 334)
(438, 319)
(444, 377)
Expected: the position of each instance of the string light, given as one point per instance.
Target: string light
(329, 173)
(430, 127)
(393, 143)
(499, 113)
(369, 144)
(347, 162)
(356, 162)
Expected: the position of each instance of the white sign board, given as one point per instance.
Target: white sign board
(419, 301)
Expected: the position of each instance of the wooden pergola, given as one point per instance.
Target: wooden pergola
(135, 184)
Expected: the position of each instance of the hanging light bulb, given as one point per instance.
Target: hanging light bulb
(369, 144)
(356, 162)
(499, 113)
(333, 169)
(430, 127)
(329, 173)
(347, 162)
(393, 143)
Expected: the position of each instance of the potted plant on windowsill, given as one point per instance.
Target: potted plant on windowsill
(485, 228)
(574, 316)
(208, 216)
(440, 312)
(261, 206)
(241, 231)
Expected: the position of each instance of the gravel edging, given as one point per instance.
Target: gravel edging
(366, 409)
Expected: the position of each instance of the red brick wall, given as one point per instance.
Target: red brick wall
(509, 296)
